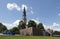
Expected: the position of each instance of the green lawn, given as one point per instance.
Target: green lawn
(28, 37)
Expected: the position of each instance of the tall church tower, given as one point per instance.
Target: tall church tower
(24, 16)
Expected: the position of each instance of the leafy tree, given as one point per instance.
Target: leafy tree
(21, 25)
(31, 23)
(40, 26)
(15, 30)
(2, 27)
(56, 32)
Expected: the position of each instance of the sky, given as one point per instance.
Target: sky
(45, 11)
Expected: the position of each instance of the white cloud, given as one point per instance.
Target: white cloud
(35, 21)
(55, 26)
(46, 27)
(18, 8)
(23, 5)
(7, 25)
(12, 6)
(59, 14)
(14, 24)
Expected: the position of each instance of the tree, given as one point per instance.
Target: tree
(15, 30)
(2, 27)
(21, 25)
(31, 23)
(40, 26)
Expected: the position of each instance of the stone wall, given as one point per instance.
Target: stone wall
(26, 31)
(31, 31)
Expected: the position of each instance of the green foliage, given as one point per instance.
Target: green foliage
(2, 27)
(56, 32)
(21, 25)
(31, 23)
(15, 30)
(40, 26)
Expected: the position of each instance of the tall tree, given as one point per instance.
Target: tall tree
(40, 26)
(15, 30)
(21, 25)
(31, 23)
(2, 27)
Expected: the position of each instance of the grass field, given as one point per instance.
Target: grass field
(28, 37)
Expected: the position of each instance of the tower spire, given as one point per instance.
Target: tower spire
(24, 16)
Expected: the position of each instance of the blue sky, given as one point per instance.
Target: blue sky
(45, 11)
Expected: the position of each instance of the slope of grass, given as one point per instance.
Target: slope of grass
(28, 37)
